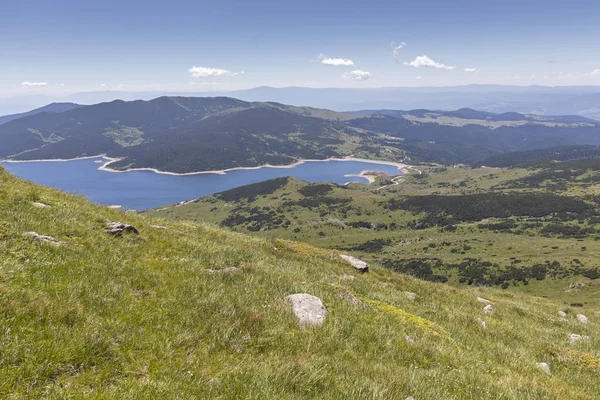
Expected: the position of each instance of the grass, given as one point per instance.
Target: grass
(140, 317)
(330, 225)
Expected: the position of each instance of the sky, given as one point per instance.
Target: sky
(60, 46)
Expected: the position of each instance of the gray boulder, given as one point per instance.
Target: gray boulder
(44, 239)
(482, 300)
(117, 228)
(488, 309)
(410, 295)
(575, 338)
(309, 310)
(582, 318)
(544, 367)
(562, 314)
(360, 266)
(481, 322)
(40, 205)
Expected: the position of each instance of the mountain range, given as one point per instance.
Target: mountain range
(188, 134)
(541, 100)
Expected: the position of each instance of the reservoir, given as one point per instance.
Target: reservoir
(139, 190)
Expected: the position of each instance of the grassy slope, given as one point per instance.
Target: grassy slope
(321, 226)
(141, 317)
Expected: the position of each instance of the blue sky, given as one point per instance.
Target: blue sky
(67, 46)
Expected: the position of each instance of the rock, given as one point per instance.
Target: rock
(582, 318)
(488, 309)
(223, 270)
(45, 239)
(309, 310)
(410, 398)
(40, 205)
(562, 314)
(574, 338)
(544, 367)
(117, 228)
(409, 339)
(115, 207)
(482, 300)
(352, 299)
(481, 322)
(346, 277)
(410, 295)
(360, 266)
(575, 286)
(158, 227)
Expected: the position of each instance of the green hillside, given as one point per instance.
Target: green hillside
(530, 230)
(162, 315)
(190, 134)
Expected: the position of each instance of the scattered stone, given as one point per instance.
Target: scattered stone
(346, 277)
(411, 295)
(582, 318)
(576, 338)
(562, 314)
(309, 310)
(410, 398)
(223, 270)
(488, 309)
(360, 266)
(544, 367)
(40, 205)
(409, 339)
(481, 322)
(45, 239)
(117, 228)
(482, 300)
(575, 286)
(158, 227)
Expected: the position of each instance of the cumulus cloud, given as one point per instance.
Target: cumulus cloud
(424, 61)
(357, 75)
(336, 62)
(32, 84)
(471, 70)
(595, 72)
(203, 72)
(396, 49)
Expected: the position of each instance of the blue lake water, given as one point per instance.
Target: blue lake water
(140, 190)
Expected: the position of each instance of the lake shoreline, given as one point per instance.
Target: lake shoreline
(403, 168)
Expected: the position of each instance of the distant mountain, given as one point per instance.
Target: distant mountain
(188, 134)
(471, 114)
(53, 107)
(562, 100)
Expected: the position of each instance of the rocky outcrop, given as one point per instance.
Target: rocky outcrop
(360, 266)
(44, 239)
(117, 228)
(309, 309)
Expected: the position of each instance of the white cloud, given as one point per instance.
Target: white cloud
(103, 85)
(31, 84)
(397, 47)
(595, 72)
(471, 70)
(203, 72)
(357, 75)
(336, 62)
(419, 77)
(424, 61)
